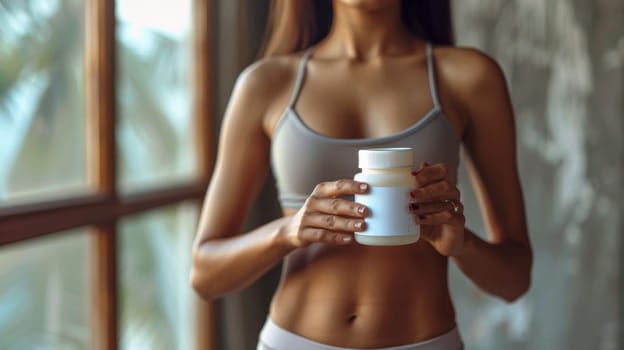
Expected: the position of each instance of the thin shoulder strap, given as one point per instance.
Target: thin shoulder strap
(300, 77)
(432, 75)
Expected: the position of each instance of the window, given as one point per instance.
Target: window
(41, 98)
(104, 159)
(44, 292)
(157, 306)
(154, 93)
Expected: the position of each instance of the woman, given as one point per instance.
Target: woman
(371, 78)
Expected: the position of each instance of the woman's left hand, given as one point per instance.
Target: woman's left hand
(437, 209)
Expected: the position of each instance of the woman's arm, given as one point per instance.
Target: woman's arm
(501, 265)
(224, 260)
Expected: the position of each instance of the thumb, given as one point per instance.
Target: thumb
(426, 233)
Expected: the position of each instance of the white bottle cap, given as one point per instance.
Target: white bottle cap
(384, 158)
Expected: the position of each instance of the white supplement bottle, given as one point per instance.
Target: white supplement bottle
(388, 171)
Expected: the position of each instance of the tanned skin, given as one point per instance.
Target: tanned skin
(367, 78)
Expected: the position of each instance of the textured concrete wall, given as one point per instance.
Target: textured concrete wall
(564, 64)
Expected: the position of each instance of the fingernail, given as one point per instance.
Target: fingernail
(363, 187)
(361, 210)
(358, 225)
(414, 206)
(346, 239)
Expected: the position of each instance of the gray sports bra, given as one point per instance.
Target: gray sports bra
(301, 158)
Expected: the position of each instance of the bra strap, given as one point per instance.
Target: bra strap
(300, 77)
(432, 78)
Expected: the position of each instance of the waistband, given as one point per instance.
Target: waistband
(274, 337)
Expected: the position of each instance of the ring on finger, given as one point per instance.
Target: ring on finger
(456, 207)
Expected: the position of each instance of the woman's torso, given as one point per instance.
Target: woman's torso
(361, 296)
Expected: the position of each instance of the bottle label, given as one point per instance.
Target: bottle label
(388, 212)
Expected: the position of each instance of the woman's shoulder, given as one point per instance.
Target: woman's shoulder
(262, 88)
(466, 66)
(468, 71)
(269, 74)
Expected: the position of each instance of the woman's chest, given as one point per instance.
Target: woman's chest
(359, 104)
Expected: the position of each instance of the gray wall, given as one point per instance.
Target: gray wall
(563, 60)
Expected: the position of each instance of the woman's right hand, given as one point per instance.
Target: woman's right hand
(327, 218)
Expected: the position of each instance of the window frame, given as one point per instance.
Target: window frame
(103, 207)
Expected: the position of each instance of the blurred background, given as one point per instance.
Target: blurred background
(106, 138)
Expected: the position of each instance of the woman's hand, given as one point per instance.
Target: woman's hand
(437, 209)
(325, 217)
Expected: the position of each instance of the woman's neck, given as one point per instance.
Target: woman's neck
(368, 33)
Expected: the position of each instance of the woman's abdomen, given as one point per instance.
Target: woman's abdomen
(361, 296)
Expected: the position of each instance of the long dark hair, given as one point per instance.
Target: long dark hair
(294, 25)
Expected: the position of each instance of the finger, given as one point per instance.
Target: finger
(444, 217)
(339, 187)
(457, 205)
(430, 173)
(333, 222)
(422, 165)
(430, 207)
(337, 206)
(436, 191)
(319, 235)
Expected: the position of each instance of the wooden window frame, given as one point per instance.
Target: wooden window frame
(102, 209)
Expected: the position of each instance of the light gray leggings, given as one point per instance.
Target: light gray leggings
(274, 337)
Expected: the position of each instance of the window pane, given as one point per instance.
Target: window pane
(42, 131)
(155, 137)
(157, 302)
(44, 293)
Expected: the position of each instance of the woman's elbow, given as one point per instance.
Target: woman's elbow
(513, 294)
(201, 286)
(521, 282)
(202, 279)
